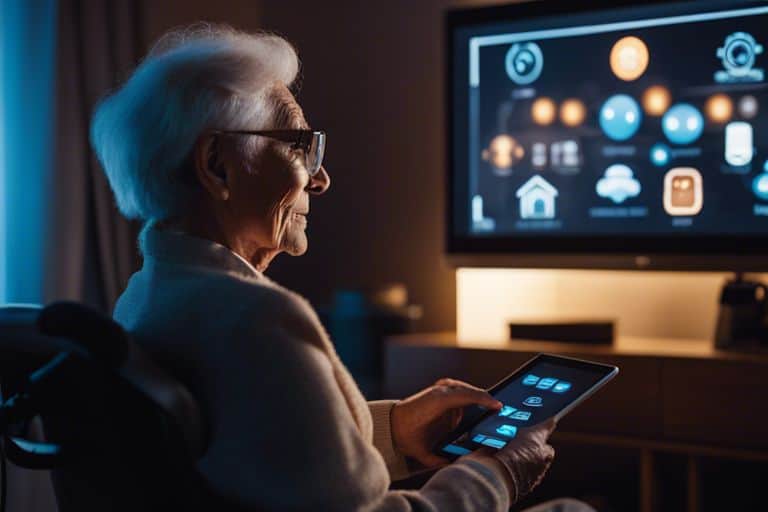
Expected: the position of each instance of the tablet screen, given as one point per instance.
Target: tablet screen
(545, 387)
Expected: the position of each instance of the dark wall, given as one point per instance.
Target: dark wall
(373, 78)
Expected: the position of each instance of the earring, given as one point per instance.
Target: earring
(224, 195)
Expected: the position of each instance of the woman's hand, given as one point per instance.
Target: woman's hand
(525, 458)
(420, 420)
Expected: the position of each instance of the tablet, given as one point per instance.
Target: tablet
(544, 387)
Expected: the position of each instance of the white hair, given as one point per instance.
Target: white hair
(194, 79)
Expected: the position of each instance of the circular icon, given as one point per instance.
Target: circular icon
(503, 153)
(682, 124)
(719, 108)
(738, 53)
(660, 155)
(524, 63)
(573, 112)
(656, 100)
(543, 111)
(620, 117)
(748, 106)
(760, 186)
(629, 58)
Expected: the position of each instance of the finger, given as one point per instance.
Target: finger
(541, 432)
(548, 427)
(456, 417)
(462, 397)
(549, 453)
(453, 383)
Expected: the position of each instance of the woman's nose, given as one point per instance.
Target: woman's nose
(319, 183)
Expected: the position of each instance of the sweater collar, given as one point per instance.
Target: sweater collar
(176, 247)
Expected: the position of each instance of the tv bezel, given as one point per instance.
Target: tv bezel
(692, 252)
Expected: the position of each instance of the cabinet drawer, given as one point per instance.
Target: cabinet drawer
(716, 402)
(629, 405)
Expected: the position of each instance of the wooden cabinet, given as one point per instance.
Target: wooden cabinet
(721, 403)
(681, 398)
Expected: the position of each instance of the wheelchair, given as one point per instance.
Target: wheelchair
(119, 433)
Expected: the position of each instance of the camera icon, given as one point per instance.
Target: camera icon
(738, 55)
(524, 63)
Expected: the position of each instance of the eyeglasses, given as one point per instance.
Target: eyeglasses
(311, 142)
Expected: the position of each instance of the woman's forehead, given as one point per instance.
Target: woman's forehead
(287, 113)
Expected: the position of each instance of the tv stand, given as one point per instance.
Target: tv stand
(678, 408)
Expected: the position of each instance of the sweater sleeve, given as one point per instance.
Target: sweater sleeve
(382, 438)
(283, 438)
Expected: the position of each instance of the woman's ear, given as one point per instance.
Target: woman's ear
(209, 167)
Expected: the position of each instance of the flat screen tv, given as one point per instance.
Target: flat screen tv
(608, 135)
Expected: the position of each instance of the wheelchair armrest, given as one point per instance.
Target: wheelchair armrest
(32, 454)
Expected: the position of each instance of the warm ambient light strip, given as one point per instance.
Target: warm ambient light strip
(476, 42)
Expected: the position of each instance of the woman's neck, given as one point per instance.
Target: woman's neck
(209, 227)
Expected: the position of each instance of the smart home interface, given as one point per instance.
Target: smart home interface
(543, 388)
(645, 120)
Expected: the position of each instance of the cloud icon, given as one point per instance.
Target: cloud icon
(618, 184)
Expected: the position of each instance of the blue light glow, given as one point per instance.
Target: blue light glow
(27, 92)
(620, 117)
(3, 264)
(683, 124)
(660, 154)
(760, 186)
(476, 43)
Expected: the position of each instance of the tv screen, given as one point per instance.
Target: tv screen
(625, 130)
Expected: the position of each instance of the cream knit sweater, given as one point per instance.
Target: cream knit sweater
(289, 428)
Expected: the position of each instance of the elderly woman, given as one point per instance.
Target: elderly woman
(207, 145)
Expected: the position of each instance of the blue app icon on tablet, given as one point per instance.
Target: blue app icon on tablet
(530, 380)
(534, 401)
(506, 410)
(494, 443)
(561, 387)
(521, 415)
(507, 430)
(546, 383)
(479, 438)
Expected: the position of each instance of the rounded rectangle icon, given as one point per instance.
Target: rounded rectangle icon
(561, 387)
(739, 144)
(683, 191)
(507, 430)
(546, 383)
(506, 410)
(521, 415)
(494, 443)
(530, 380)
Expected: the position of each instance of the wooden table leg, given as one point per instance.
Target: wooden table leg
(693, 484)
(647, 484)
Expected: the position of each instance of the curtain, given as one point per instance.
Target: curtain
(89, 249)
(93, 249)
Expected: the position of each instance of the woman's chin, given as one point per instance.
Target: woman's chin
(295, 242)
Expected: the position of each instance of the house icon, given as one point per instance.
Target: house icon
(537, 199)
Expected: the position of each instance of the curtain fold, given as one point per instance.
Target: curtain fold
(92, 248)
